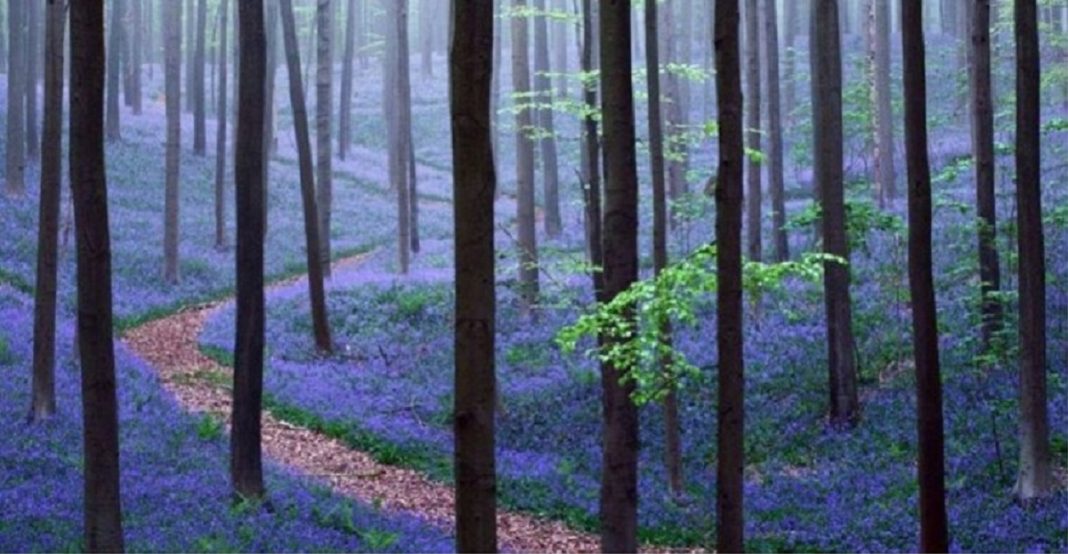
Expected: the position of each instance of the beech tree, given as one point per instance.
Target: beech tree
(775, 141)
(172, 32)
(199, 101)
(246, 458)
(324, 70)
(543, 97)
(474, 181)
(527, 243)
(753, 193)
(828, 172)
(885, 176)
(103, 511)
(222, 116)
(730, 408)
(137, 45)
(115, 43)
(15, 157)
(934, 536)
(44, 309)
(591, 167)
(397, 96)
(344, 126)
(1035, 478)
(33, 51)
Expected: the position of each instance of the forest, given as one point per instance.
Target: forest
(534, 275)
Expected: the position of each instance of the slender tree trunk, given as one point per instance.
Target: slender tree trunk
(103, 511)
(474, 178)
(790, 69)
(775, 141)
(730, 419)
(591, 169)
(885, 176)
(827, 127)
(413, 190)
(344, 128)
(983, 151)
(673, 118)
(190, 40)
(1035, 478)
(246, 460)
(172, 31)
(44, 311)
(498, 32)
(220, 134)
(115, 40)
(528, 247)
(543, 91)
(138, 42)
(753, 193)
(560, 61)
(619, 473)
(320, 321)
(3, 39)
(16, 80)
(199, 129)
(269, 133)
(426, 37)
(399, 148)
(33, 17)
(934, 536)
(324, 70)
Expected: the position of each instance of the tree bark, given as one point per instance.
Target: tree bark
(543, 96)
(344, 128)
(172, 31)
(324, 69)
(220, 133)
(199, 129)
(16, 80)
(591, 169)
(115, 41)
(137, 56)
(730, 410)
(528, 248)
(1035, 477)
(983, 151)
(44, 312)
(102, 508)
(790, 69)
(934, 536)
(753, 193)
(827, 138)
(619, 473)
(396, 83)
(474, 178)
(775, 141)
(33, 17)
(426, 37)
(885, 176)
(246, 460)
(189, 41)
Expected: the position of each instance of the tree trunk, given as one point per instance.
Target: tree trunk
(983, 151)
(775, 142)
(246, 460)
(827, 127)
(498, 32)
(16, 80)
(190, 40)
(136, 58)
(673, 118)
(199, 129)
(885, 177)
(33, 17)
(528, 248)
(753, 193)
(172, 31)
(730, 432)
(344, 128)
(619, 473)
(426, 37)
(413, 189)
(44, 311)
(543, 96)
(220, 134)
(790, 69)
(269, 133)
(1035, 477)
(103, 508)
(560, 51)
(931, 466)
(474, 178)
(395, 84)
(324, 70)
(115, 40)
(591, 169)
(320, 321)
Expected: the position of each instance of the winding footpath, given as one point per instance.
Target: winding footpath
(170, 345)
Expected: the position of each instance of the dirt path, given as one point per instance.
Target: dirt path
(171, 346)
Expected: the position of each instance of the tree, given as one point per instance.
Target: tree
(115, 42)
(397, 101)
(591, 168)
(136, 54)
(543, 97)
(15, 154)
(619, 473)
(33, 18)
(220, 133)
(344, 126)
(246, 459)
(189, 41)
(1035, 477)
(527, 243)
(172, 32)
(320, 322)
(103, 511)
(199, 129)
(44, 310)
(730, 432)
(790, 71)
(934, 536)
(827, 140)
(673, 454)
(983, 151)
(775, 146)
(753, 193)
(426, 37)
(324, 70)
(474, 181)
(884, 113)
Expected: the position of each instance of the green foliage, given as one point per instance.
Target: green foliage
(209, 428)
(862, 219)
(632, 324)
